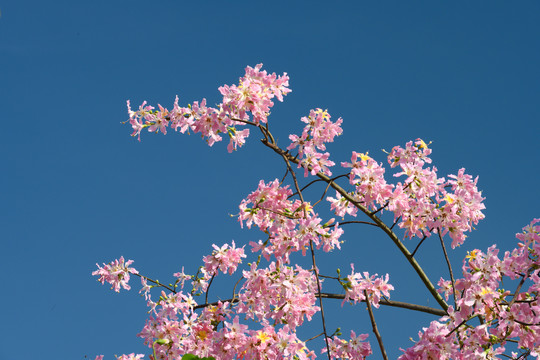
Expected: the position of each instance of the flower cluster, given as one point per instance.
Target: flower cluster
(124, 357)
(261, 319)
(318, 131)
(433, 344)
(367, 176)
(374, 286)
(279, 293)
(115, 273)
(423, 203)
(253, 95)
(291, 225)
(225, 259)
(354, 349)
(179, 330)
(504, 315)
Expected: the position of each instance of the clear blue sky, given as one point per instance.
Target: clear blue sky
(77, 189)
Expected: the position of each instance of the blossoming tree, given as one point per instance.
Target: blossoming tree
(476, 316)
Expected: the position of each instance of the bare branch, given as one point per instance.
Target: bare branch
(449, 267)
(374, 326)
(399, 304)
(355, 222)
(157, 283)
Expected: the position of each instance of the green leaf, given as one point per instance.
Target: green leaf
(190, 357)
(194, 357)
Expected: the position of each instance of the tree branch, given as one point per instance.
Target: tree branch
(374, 326)
(449, 266)
(399, 304)
(412, 261)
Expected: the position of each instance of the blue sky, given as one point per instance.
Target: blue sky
(77, 189)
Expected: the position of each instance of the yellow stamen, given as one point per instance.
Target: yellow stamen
(262, 336)
(202, 334)
(364, 157)
(472, 254)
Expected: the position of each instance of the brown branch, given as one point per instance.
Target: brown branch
(395, 222)
(244, 121)
(316, 271)
(399, 304)
(526, 324)
(355, 222)
(379, 209)
(412, 261)
(208, 288)
(314, 337)
(324, 193)
(317, 180)
(516, 293)
(156, 282)
(418, 246)
(374, 326)
(449, 266)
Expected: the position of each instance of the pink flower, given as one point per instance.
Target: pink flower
(341, 205)
(367, 176)
(318, 131)
(238, 138)
(434, 343)
(374, 286)
(131, 357)
(182, 277)
(252, 95)
(355, 349)
(116, 273)
(226, 259)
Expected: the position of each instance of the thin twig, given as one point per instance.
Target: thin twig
(374, 326)
(526, 324)
(244, 121)
(305, 187)
(379, 209)
(318, 180)
(324, 193)
(355, 222)
(521, 282)
(460, 324)
(157, 283)
(314, 337)
(395, 222)
(234, 288)
(418, 246)
(316, 270)
(421, 241)
(399, 304)
(449, 267)
(284, 176)
(329, 277)
(208, 288)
